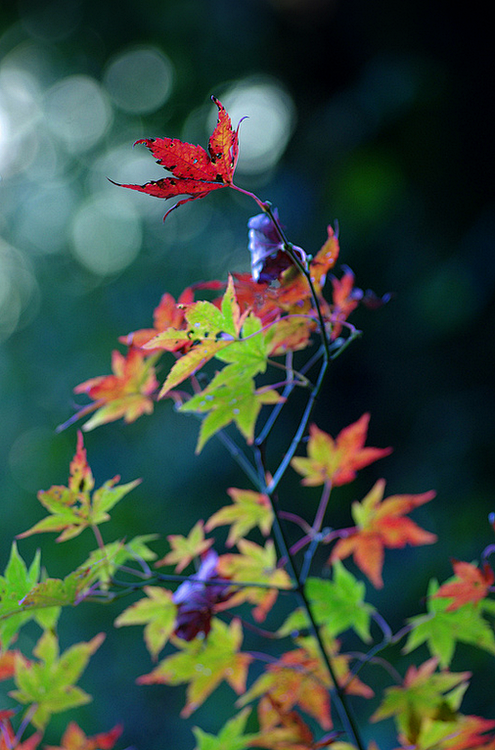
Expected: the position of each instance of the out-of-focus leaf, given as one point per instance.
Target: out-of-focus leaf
(337, 605)
(48, 683)
(249, 509)
(75, 739)
(204, 664)
(230, 737)
(337, 461)
(185, 549)
(157, 612)
(380, 524)
(470, 584)
(441, 628)
(254, 564)
(425, 694)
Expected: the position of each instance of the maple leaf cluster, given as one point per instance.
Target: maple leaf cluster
(274, 312)
(262, 315)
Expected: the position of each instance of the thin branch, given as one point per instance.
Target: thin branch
(322, 507)
(238, 456)
(268, 426)
(295, 519)
(289, 454)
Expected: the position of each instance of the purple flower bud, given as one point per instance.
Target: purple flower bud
(268, 259)
(196, 602)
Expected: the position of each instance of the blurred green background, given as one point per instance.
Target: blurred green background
(377, 115)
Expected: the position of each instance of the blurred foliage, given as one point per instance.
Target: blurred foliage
(375, 115)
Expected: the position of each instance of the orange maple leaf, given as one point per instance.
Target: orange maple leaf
(345, 300)
(8, 740)
(80, 474)
(338, 460)
(292, 295)
(75, 739)
(126, 393)
(285, 730)
(195, 172)
(7, 664)
(472, 584)
(298, 678)
(470, 733)
(167, 314)
(382, 523)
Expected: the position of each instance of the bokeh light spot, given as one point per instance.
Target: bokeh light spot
(265, 133)
(106, 234)
(140, 80)
(78, 112)
(19, 292)
(20, 114)
(43, 226)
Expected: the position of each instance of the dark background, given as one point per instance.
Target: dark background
(377, 115)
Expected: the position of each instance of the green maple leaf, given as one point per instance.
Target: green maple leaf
(230, 397)
(337, 605)
(73, 511)
(15, 584)
(248, 353)
(204, 663)
(238, 341)
(424, 696)
(57, 592)
(106, 560)
(185, 549)
(230, 737)
(157, 612)
(249, 509)
(441, 629)
(255, 564)
(73, 508)
(208, 328)
(49, 682)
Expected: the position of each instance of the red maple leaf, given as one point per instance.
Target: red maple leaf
(472, 584)
(195, 172)
(382, 523)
